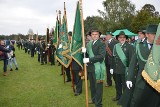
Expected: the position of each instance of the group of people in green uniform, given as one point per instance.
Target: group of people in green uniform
(42, 49)
(114, 57)
(124, 62)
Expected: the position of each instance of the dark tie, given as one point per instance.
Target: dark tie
(151, 45)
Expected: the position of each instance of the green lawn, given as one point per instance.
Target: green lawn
(35, 85)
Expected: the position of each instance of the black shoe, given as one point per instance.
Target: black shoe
(107, 85)
(68, 80)
(115, 99)
(76, 94)
(90, 102)
(16, 69)
(11, 69)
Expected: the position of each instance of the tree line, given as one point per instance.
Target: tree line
(121, 14)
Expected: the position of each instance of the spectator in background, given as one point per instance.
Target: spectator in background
(3, 56)
(13, 57)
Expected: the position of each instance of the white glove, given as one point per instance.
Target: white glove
(60, 46)
(28, 49)
(48, 44)
(43, 52)
(83, 49)
(111, 71)
(129, 84)
(85, 60)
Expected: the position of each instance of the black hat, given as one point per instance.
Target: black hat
(108, 33)
(70, 33)
(41, 38)
(152, 29)
(142, 29)
(121, 33)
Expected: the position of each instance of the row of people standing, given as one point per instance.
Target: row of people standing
(42, 49)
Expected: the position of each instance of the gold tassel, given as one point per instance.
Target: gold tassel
(155, 85)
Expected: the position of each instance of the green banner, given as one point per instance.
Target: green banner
(77, 38)
(151, 72)
(63, 54)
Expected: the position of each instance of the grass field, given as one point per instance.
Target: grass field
(35, 85)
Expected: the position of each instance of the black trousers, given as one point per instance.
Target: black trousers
(39, 56)
(108, 75)
(32, 53)
(96, 89)
(68, 73)
(147, 97)
(52, 59)
(77, 81)
(120, 84)
(43, 58)
(5, 65)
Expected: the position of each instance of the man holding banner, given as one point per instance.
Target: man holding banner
(143, 94)
(96, 67)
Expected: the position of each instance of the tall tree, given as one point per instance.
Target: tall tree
(118, 13)
(94, 22)
(147, 15)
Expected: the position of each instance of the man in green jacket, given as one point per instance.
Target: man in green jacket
(96, 67)
(122, 54)
(143, 94)
(110, 43)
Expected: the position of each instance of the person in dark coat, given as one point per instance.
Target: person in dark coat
(96, 67)
(143, 94)
(128, 93)
(52, 50)
(122, 54)
(3, 56)
(110, 42)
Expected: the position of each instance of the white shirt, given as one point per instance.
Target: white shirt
(94, 41)
(143, 39)
(149, 46)
(109, 41)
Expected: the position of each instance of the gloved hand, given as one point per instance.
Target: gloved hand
(11, 53)
(111, 71)
(85, 60)
(60, 46)
(83, 49)
(129, 84)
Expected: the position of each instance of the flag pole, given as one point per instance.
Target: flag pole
(83, 38)
(62, 67)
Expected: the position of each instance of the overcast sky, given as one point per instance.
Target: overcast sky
(17, 16)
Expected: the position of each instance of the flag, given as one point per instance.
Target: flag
(151, 72)
(77, 38)
(63, 54)
(56, 34)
